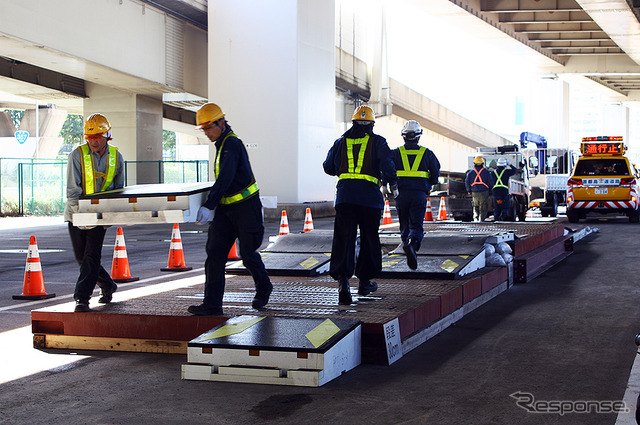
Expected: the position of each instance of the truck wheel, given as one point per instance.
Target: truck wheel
(634, 216)
(573, 216)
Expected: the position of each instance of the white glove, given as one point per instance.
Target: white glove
(203, 215)
(394, 191)
(385, 191)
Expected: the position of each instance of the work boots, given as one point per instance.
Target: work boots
(344, 292)
(410, 250)
(366, 287)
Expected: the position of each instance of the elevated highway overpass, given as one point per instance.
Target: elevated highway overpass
(150, 64)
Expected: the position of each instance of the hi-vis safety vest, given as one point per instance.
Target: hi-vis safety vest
(244, 193)
(478, 179)
(499, 179)
(412, 171)
(355, 165)
(90, 176)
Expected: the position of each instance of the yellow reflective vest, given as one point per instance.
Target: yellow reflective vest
(90, 176)
(244, 193)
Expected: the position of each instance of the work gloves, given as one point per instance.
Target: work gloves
(390, 192)
(204, 215)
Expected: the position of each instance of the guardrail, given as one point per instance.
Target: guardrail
(38, 186)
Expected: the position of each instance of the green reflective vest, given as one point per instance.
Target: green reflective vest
(499, 179)
(412, 171)
(90, 175)
(244, 193)
(354, 165)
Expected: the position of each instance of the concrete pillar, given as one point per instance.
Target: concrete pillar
(136, 123)
(615, 121)
(271, 69)
(46, 133)
(7, 128)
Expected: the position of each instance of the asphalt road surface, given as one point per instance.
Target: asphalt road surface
(556, 350)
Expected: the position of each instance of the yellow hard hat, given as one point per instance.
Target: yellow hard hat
(208, 113)
(478, 160)
(96, 125)
(363, 113)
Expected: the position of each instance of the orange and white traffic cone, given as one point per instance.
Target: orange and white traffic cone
(33, 285)
(176, 261)
(284, 224)
(308, 221)
(442, 212)
(120, 271)
(233, 253)
(428, 215)
(386, 216)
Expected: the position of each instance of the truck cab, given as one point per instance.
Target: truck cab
(603, 181)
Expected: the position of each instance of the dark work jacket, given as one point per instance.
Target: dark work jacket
(378, 163)
(235, 170)
(502, 192)
(428, 163)
(485, 177)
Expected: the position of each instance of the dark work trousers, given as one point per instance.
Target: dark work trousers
(242, 220)
(350, 217)
(87, 247)
(411, 206)
(500, 209)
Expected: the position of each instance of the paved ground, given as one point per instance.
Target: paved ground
(567, 337)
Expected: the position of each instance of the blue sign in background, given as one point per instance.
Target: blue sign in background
(22, 136)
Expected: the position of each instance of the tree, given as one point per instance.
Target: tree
(16, 116)
(72, 129)
(168, 145)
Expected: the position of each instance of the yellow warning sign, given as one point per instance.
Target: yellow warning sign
(449, 265)
(230, 329)
(322, 333)
(309, 262)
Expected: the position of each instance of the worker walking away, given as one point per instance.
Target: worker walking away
(500, 192)
(237, 214)
(418, 169)
(360, 159)
(93, 167)
(479, 183)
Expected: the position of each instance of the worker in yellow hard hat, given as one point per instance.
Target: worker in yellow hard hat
(93, 167)
(238, 214)
(362, 161)
(479, 183)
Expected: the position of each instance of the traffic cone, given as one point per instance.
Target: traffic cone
(428, 215)
(442, 212)
(176, 261)
(386, 216)
(120, 271)
(308, 221)
(33, 286)
(284, 224)
(233, 253)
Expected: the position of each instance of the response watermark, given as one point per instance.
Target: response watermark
(528, 402)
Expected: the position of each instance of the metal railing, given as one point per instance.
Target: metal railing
(38, 186)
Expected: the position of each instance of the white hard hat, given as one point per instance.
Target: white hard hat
(411, 130)
(502, 162)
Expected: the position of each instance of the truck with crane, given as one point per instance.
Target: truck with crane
(549, 171)
(459, 201)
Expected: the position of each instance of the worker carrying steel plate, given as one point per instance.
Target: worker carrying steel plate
(418, 169)
(235, 204)
(93, 167)
(360, 159)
